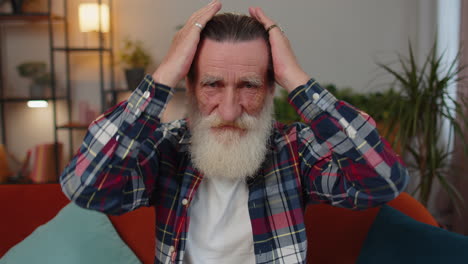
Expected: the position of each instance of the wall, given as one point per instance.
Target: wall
(335, 41)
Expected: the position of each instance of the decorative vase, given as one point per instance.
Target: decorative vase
(134, 76)
(17, 6)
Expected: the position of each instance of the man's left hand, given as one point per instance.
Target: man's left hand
(288, 72)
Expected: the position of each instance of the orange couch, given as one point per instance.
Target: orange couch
(25, 207)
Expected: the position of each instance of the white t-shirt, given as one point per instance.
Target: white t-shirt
(220, 229)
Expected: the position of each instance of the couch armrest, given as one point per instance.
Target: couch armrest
(138, 231)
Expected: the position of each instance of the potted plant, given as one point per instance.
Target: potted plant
(135, 59)
(418, 115)
(284, 112)
(40, 78)
(373, 103)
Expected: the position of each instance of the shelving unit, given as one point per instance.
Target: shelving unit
(32, 17)
(26, 99)
(67, 49)
(49, 19)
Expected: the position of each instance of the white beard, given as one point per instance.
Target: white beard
(229, 154)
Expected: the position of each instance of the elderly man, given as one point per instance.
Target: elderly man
(228, 184)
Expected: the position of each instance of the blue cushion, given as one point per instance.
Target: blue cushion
(74, 235)
(397, 238)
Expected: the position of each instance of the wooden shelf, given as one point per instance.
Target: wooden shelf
(123, 90)
(26, 17)
(25, 99)
(73, 126)
(120, 90)
(81, 49)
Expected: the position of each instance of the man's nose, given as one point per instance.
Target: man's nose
(230, 108)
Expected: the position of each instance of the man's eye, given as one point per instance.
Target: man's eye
(213, 85)
(250, 85)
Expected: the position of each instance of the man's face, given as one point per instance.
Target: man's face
(231, 79)
(231, 109)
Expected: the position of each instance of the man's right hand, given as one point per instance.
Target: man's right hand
(176, 64)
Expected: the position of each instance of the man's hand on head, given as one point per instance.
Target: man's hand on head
(176, 64)
(288, 72)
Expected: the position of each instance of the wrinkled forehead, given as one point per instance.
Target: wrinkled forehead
(249, 57)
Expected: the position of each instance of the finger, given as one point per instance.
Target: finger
(210, 12)
(262, 18)
(197, 22)
(204, 9)
(253, 13)
(203, 15)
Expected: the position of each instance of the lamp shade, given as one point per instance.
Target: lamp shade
(89, 17)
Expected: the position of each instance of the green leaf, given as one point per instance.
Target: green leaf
(453, 193)
(416, 115)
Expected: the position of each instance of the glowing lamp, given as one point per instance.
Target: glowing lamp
(37, 104)
(89, 17)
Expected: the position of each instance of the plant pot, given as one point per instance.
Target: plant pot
(134, 76)
(17, 6)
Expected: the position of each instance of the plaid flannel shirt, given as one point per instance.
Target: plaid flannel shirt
(129, 159)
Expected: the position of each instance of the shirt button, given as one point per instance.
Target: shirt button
(184, 202)
(146, 94)
(137, 112)
(315, 96)
(351, 132)
(171, 249)
(117, 137)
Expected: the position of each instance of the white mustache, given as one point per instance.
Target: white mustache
(244, 122)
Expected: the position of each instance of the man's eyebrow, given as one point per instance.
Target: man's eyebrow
(207, 79)
(252, 79)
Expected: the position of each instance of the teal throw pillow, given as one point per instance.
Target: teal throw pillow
(397, 238)
(74, 235)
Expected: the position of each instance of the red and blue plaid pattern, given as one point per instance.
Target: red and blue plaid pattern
(129, 159)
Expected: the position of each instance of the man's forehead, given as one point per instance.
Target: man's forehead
(234, 42)
(244, 58)
(256, 49)
(250, 77)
